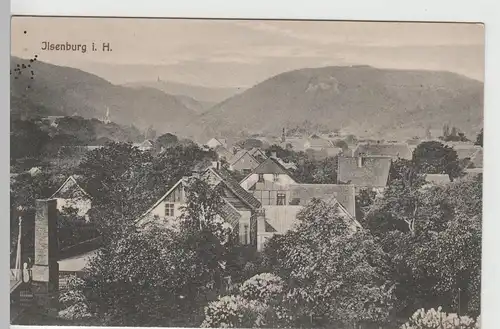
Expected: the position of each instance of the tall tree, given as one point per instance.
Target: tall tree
(432, 157)
(333, 275)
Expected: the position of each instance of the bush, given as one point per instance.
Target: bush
(438, 319)
(258, 304)
(74, 303)
(234, 311)
(261, 287)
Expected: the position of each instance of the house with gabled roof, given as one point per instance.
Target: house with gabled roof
(268, 171)
(317, 143)
(71, 195)
(258, 154)
(239, 210)
(393, 150)
(145, 145)
(214, 142)
(370, 172)
(282, 203)
(243, 162)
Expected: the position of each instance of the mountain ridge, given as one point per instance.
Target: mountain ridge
(69, 91)
(360, 99)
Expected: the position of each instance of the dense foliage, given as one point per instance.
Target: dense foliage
(438, 319)
(333, 274)
(435, 158)
(433, 237)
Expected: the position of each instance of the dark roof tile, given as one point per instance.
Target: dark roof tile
(301, 194)
(373, 172)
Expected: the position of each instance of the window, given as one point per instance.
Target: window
(261, 178)
(245, 228)
(276, 177)
(169, 210)
(281, 199)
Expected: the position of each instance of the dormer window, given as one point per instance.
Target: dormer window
(276, 177)
(261, 178)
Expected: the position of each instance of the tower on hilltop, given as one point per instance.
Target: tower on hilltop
(106, 119)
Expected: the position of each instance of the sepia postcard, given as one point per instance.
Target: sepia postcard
(246, 173)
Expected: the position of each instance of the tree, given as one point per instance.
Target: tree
(364, 201)
(29, 140)
(169, 273)
(333, 275)
(117, 176)
(433, 237)
(341, 144)
(433, 157)
(166, 140)
(479, 138)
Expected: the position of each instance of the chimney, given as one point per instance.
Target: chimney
(46, 269)
(273, 155)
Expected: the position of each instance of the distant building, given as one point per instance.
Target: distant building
(393, 150)
(471, 172)
(145, 145)
(243, 162)
(268, 171)
(437, 179)
(106, 119)
(364, 172)
(214, 142)
(258, 154)
(317, 143)
(471, 154)
(286, 165)
(71, 194)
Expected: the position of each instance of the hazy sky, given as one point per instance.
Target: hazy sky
(243, 53)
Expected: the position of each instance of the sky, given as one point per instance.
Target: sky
(236, 53)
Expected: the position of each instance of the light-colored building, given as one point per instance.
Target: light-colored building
(214, 142)
(317, 143)
(145, 145)
(238, 212)
(394, 150)
(437, 179)
(281, 205)
(71, 195)
(268, 171)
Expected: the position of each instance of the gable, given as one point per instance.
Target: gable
(269, 166)
(176, 195)
(70, 190)
(301, 194)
